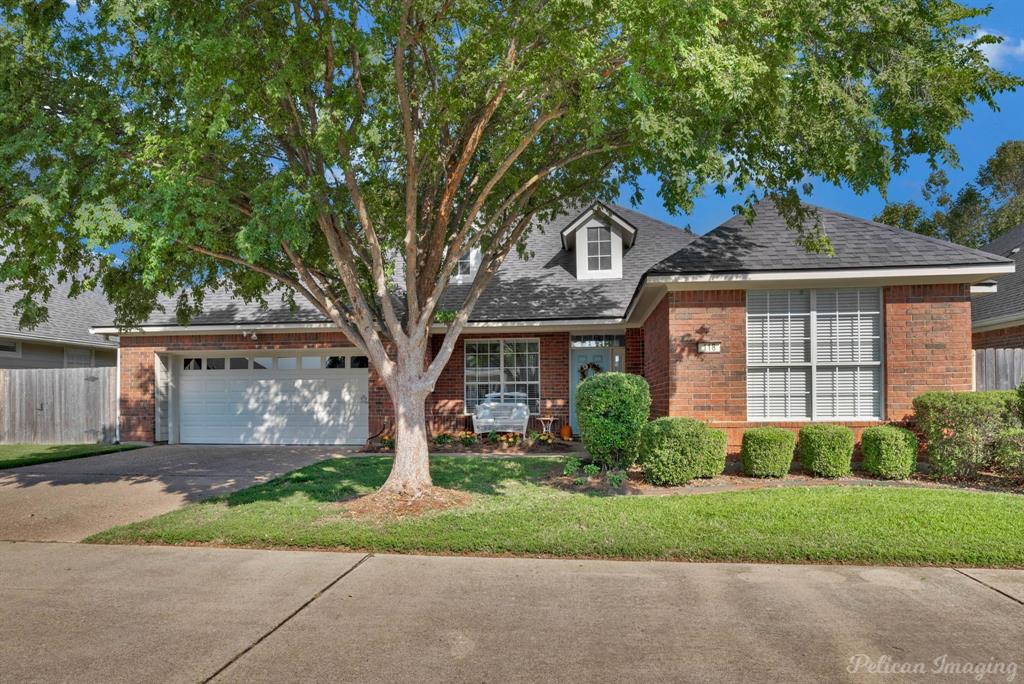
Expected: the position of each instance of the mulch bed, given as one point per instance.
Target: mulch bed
(391, 506)
(485, 448)
(733, 481)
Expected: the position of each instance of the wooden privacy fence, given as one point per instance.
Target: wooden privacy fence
(60, 405)
(998, 368)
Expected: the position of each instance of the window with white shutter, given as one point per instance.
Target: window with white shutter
(814, 354)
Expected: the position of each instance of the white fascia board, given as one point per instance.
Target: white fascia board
(826, 277)
(211, 329)
(984, 288)
(997, 322)
(50, 339)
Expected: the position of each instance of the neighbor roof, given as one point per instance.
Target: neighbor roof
(768, 244)
(69, 319)
(542, 287)
(1008, 300)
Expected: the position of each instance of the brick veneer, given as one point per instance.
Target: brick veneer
(444, 406)
(656, 357)
(927, 347)
(927, 343)
(1002, 338)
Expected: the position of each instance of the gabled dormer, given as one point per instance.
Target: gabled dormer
(599, 237)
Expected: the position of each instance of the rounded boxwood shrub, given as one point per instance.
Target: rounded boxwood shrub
(826, 450)
(612, 409)
(674, 451)
(767, 452)
(961, 427)
(889, 452)
(1008, 452)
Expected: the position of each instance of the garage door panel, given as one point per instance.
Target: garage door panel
(319, 406)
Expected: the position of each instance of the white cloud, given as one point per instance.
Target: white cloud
(1000, 54)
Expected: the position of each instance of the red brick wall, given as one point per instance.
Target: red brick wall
(656, 358)
(1003, 338)
(635, 351)
(445, 407)
(927, 347)
(708, 386)
(927, 343)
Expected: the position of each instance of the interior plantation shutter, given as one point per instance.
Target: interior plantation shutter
(814, 354)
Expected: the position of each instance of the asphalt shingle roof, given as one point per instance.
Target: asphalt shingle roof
(768, 244)
(69, 320)
(542, 287)
(1009, 297)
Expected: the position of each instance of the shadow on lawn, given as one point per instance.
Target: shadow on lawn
(342, 479)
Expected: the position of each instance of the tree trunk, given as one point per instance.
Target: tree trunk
(410, 473)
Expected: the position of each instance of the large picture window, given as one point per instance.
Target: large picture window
(814, 354)
(506, 371)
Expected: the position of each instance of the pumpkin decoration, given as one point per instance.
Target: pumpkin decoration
(566, 432)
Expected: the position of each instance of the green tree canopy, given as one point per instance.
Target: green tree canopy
(307, 147)
(977, 213)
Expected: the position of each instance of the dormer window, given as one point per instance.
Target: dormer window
(467, 266)
(600, 237)
(599, 248)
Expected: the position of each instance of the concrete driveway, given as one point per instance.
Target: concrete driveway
(70, 500)
(72, 612)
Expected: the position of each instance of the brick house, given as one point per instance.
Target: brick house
(738, 327)
(998, 318)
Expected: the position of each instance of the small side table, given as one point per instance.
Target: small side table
(547, 422)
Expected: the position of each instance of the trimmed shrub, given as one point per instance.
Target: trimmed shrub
(889, 452)
(1008, 452)
(612, 409)
(826, 450)
(767, 452)
(674, 451)
(960, 428)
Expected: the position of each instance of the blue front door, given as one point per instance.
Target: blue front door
(588, 362)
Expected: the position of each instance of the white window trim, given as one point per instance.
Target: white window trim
(501, 361)
(17, 349)
(474, 266)
(813, 365)
(582, 244)
(274, 355)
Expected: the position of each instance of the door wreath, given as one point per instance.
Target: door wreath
(586, 368)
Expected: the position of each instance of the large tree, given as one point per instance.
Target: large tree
(977, 213)
(347, 153)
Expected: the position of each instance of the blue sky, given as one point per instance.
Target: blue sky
(976, 140)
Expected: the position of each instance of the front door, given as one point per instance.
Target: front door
(582, 364)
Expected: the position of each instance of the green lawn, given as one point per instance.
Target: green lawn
(513, 513)
(16, 455)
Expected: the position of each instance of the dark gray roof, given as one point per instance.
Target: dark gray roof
(1009, 297)
(69, 320)
(542, 287)
(768, 244)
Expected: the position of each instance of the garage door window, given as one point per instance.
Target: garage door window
(310, 362)
(360, 362)
(286, 363)
(335, 361)
(192, 364)
(262, 363)
(238, 363)
(214, 364)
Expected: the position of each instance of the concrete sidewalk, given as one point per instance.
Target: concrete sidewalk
(70, 500)
(91, 613)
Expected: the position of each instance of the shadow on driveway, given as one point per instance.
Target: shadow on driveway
(70, 500)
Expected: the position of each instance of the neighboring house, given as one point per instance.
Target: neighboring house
(739, 327)
(64, 340)
(998, 318)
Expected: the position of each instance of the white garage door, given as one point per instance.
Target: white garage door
(287, 398)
